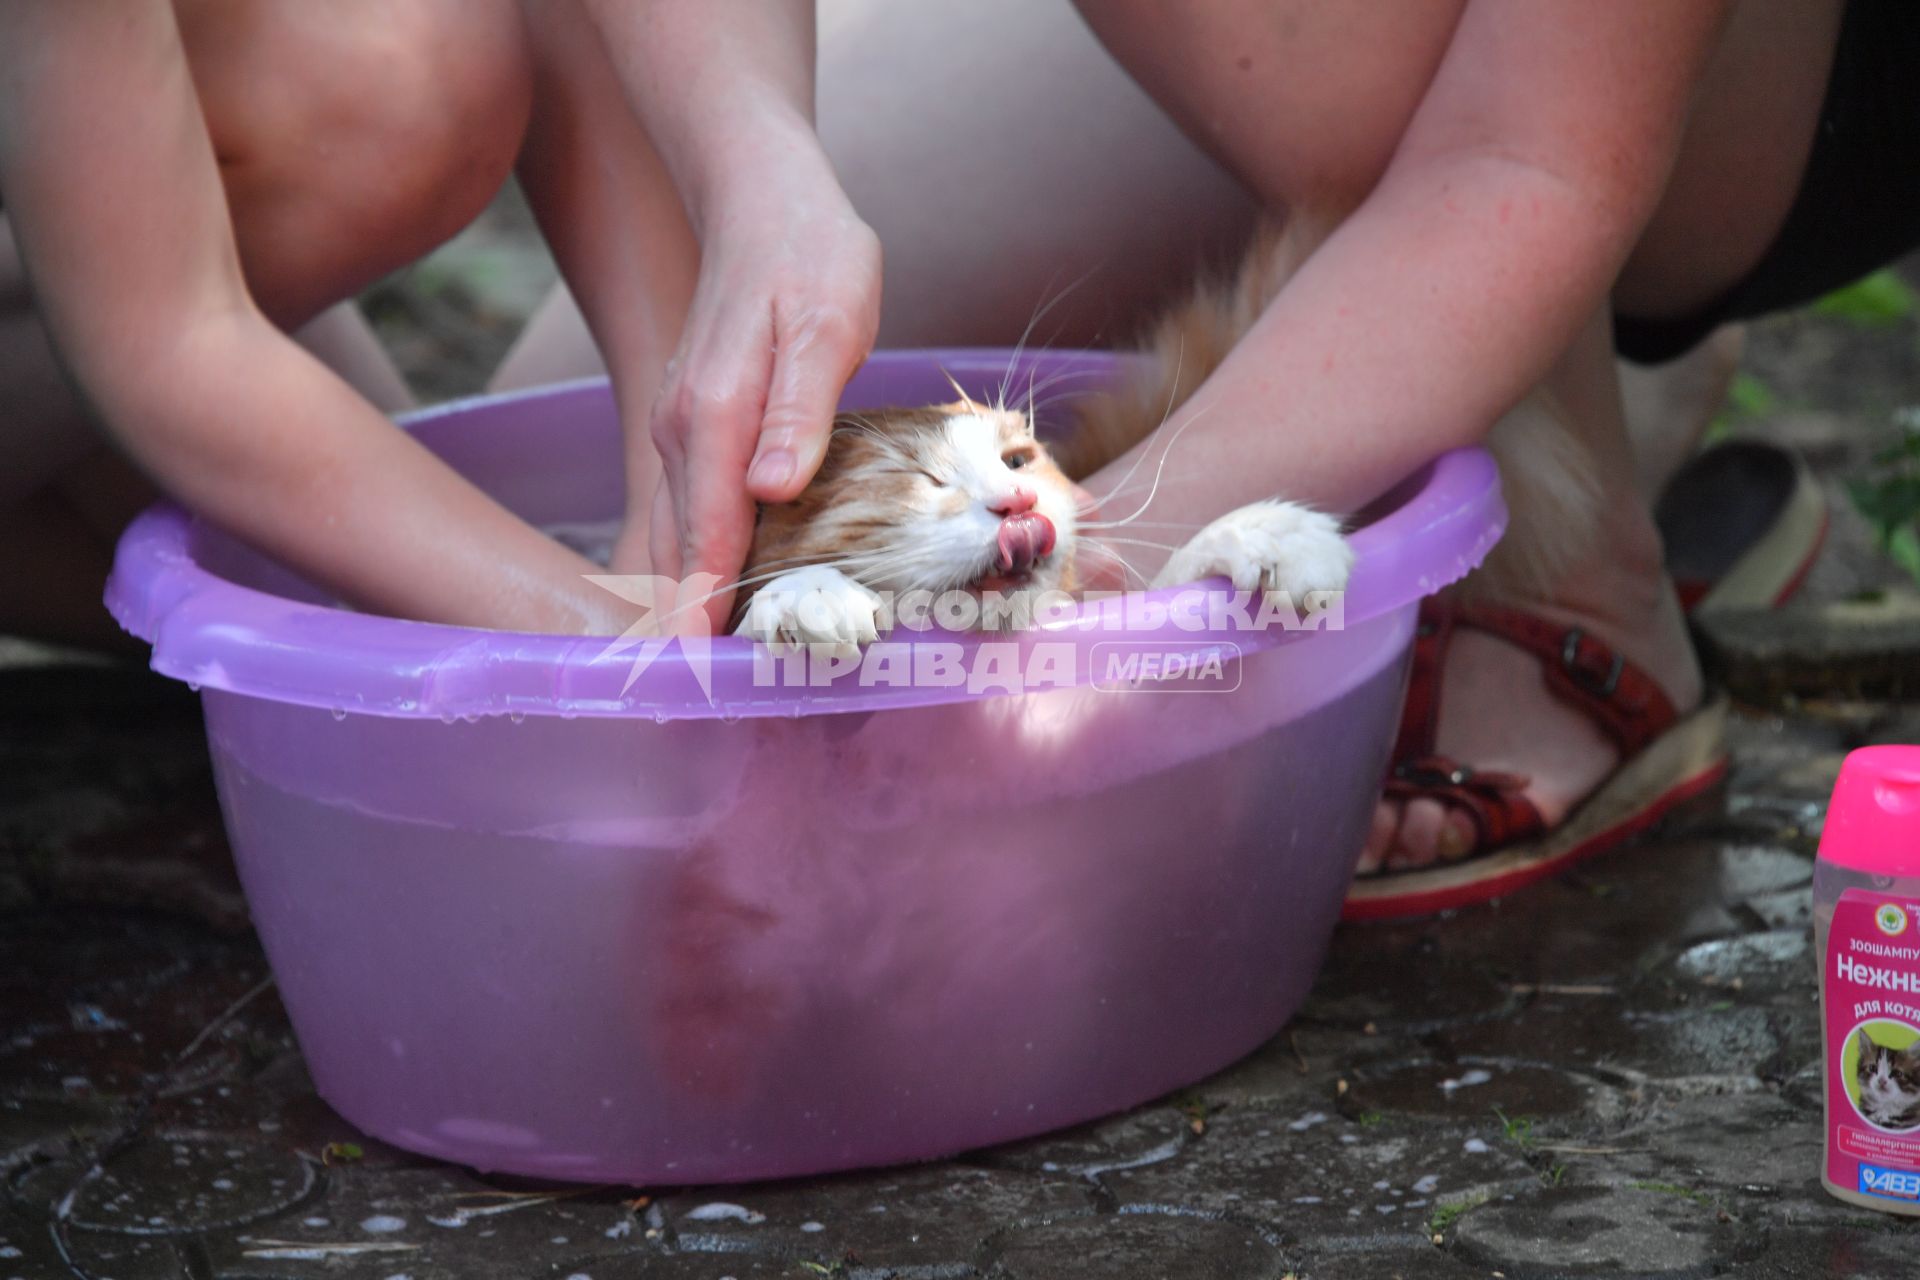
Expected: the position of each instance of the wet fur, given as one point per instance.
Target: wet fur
(875, 485)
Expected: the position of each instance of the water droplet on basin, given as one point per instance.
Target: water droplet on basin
(339, 713)
(517, 717)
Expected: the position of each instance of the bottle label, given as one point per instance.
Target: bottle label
(1870, 986)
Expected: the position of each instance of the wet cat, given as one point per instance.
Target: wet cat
(1889, 1082)
(967, 497)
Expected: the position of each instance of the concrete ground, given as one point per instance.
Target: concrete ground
(1613, 1073)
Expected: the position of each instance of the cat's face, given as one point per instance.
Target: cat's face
(959, 496)
(1889, 1082)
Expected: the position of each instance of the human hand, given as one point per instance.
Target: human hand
(785, 311)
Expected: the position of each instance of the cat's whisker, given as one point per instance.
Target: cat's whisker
(1020, 347)
(959, 391)
(1170, 482)
(1173, 387)
(1104, 539)
(1085, 525)
(1160, 470)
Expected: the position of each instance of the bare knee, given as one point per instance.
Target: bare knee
(1304, 102)
(352, 142)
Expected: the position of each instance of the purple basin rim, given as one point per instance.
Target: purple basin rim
(219, 634)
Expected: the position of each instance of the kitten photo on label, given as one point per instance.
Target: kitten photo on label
(1889, 1082)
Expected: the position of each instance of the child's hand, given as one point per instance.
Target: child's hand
(785, 312)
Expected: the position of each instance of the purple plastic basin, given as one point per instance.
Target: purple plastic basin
(530, 919)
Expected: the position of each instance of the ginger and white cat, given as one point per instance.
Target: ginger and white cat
(966, 497)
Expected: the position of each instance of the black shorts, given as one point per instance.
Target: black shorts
(1858, 207)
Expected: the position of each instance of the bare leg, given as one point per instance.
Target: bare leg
(613, 217)
(1288, 138)
(417, 108)
(1005, 160)
(1669, 407)
(1003, 157)
(556, 346)
(341, 339)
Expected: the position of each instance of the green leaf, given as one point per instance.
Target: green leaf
(1903, 544)
(1749, 396)
(1881, 299)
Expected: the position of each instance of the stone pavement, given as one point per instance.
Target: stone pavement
(1610, 1074)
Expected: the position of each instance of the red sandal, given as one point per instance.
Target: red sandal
(1667, 758)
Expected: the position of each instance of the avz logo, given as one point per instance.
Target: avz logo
(1892, 1184)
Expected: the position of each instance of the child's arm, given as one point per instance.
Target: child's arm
(787, 303)
(119, 213)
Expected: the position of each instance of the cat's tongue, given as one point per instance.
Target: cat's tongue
(1024, 539)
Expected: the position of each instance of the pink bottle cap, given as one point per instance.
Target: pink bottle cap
(1873, 824)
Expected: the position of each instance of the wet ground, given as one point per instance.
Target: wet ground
(1609, 1074)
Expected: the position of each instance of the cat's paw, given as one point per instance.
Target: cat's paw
(1273, 546)
(818, 608)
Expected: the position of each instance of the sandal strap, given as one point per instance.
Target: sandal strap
(1494, 801)
(1420, 720)
(1615, 695)
(1622, 700)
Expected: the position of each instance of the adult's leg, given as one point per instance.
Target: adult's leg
(1670, 406)
(1305, 103)
(1006, 162)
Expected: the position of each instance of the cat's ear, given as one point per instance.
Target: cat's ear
(1867, 1047)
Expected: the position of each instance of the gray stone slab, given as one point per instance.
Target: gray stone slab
(1319, 1178)
(1601, 1231)
(939, 1215)
(1867, 648)
(1168, 1245)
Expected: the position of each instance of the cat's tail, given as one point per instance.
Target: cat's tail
(1181, 351)
(1550, 481)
